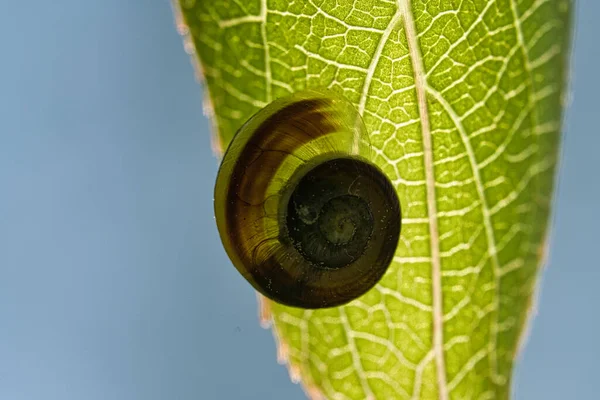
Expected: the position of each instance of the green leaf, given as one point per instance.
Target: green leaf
(463, 99)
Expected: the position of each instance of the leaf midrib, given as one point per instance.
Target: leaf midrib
(404, 8)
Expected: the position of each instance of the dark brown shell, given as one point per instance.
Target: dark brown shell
(303, 213)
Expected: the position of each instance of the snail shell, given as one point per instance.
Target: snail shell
(303, 213)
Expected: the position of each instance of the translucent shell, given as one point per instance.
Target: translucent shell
(303, 213)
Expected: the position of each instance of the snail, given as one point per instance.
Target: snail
(303, 213)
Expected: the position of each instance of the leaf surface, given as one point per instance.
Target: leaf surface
(463, 101)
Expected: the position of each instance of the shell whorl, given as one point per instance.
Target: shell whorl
(304, 214)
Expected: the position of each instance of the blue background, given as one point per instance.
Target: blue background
(113, 282)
